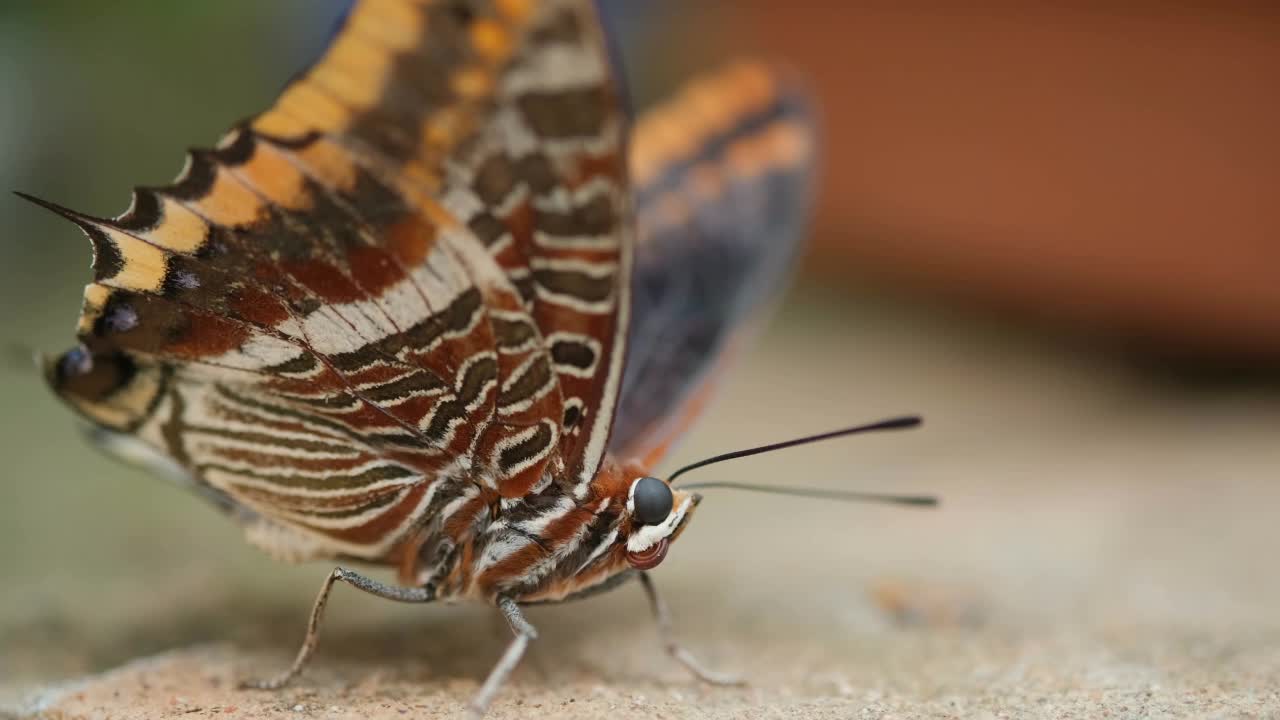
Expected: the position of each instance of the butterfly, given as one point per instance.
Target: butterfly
(443, 307)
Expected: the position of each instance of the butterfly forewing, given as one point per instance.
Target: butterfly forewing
(723, 173)
(395, 297)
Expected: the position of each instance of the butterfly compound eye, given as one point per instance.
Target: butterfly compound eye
(652, 499)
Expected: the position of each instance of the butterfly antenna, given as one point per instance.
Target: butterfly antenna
(822, 494)
(905, 422)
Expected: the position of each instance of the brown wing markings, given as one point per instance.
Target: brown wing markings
(136, 262)
(114, 307)
(406, 239)
(463, 429)
(353, 259)
(246, 250)
(237, 408)
(284, 414)
(331, 480)
(407, 91)
(329, 278)
(498, 297)
(576, 291)
(300, 491)
(360, 492)
(434, 83)
(157, 328)
(306, 253)
(403, 448)
(504, 312)
(153, 327)
(168, 332)
(510, 192)
(396, 25)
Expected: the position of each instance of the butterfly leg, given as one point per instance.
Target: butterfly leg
(674, 648)
(373, 587)
(524, 632)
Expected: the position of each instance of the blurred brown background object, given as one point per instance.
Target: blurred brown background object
(1113, 167)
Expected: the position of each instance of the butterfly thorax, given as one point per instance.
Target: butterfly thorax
(544, 547)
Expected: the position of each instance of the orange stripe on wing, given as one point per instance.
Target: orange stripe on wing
(227, 201)
(277, 179)
(708, 107)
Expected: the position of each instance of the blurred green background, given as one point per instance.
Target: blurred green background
(1085, 474)
(101, 97)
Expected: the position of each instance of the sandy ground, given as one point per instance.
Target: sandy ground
(1106, 549)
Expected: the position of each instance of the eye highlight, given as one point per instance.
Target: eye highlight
(652, 500)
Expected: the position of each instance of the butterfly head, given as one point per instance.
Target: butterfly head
(658, 512)
(658, 515)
